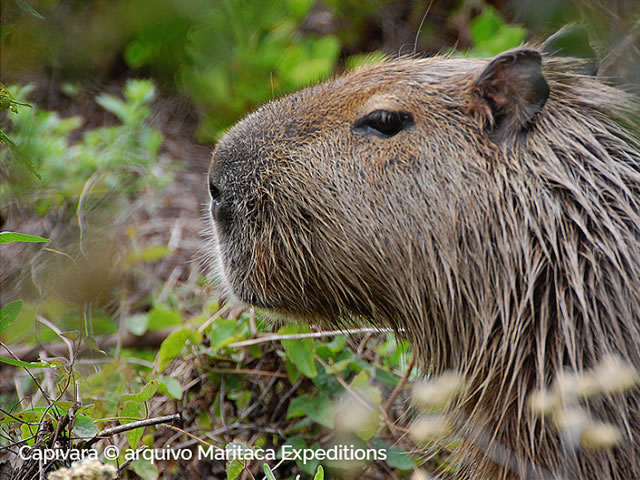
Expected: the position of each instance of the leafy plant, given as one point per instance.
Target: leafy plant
(8, 314)
(241, 56)
(122, 156)
(490, 34)
(10, 104)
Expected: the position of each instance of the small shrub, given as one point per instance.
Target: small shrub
(124, 156)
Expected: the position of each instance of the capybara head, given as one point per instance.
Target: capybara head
(488, 208)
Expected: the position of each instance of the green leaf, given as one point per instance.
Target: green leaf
(297, 406)
(18, 155)
(5, 96)
(84, 427)
(483, 27)
(386, 378)
(138, 53)
(140, 91)
(299, 8)
(20, 363)
(293, 373)
(241, 398)
(490, 35)
(28, 433)
(6, 140)
(337, 343)
(160, 318)
(114, 105)
(72, 334)
(29, 9)
(319, 474)
(172, 345)
(135, 411)
(65, 406)
(297, 442)
(234, 468)
(310, 466)
(268, 473)
(317, 409)
(29, 416)
(8, 314)
(338, 366)
(361, 380)
(300, 352)
(333, 348)
(171, 387)
(328, 383)
(93, 345)
(143, 395)
(149, 254)
(145, 469)
(398, 458)
(8, 237)
(137, 324)
(222, 332)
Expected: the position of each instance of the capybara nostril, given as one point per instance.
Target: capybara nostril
(216, 197)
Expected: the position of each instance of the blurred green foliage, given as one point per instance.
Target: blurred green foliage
(228, 56)
(240, 56)
(123, 156)
(8, 103)
(490, 35)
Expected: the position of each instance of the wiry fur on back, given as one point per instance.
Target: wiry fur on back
(508, 259)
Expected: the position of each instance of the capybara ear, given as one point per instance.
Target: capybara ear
(510, 92)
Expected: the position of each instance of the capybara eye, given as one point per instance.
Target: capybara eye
(214, 191)
(383, 123)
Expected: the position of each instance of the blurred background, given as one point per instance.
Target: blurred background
(109, 111)
(228, 56)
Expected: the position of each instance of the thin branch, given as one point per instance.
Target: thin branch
(58, 332)
(44, 394)
(109, 432)
(214, 317)
(299, 336)
(248, 371)
(30, 353)
(398, 388)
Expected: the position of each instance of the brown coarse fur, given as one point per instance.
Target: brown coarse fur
(499, 229)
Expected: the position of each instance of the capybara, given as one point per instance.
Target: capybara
(487, 209)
